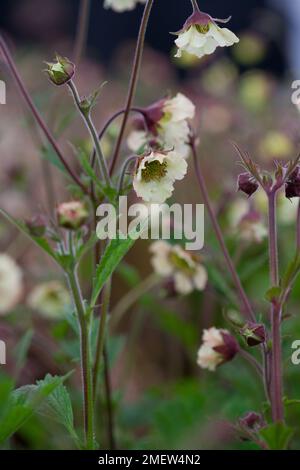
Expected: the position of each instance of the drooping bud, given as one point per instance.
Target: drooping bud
(254, 333)
(71, 215)
(247, 184)
(292, 187)
(252, 421)
(61, 71)
(37, 225)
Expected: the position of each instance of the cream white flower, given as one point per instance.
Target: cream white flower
(122, 5)
(251, 228)
(201, 36)
(167, 121)
(51, 299)
(173, 261)
(218, 346)
(156, 173)
(11, 285)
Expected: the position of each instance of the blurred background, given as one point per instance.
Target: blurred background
(160, 397)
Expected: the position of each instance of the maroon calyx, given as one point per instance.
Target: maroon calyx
(229, 348)
(292, 187)
(247, 184)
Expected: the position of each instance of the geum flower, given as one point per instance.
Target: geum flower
(11, 284)
(167, 123)
(218, 347)
(122, 5)
(185, 270)
(51, 299)
(200, 35)
(156, 173)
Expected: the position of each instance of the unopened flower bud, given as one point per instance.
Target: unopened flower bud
(61, 71)
(292, 187)
(254, 333)
(71, 215)
(252, 420)
(37, 225)
(247, 184)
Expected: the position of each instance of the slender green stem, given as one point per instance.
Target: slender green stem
(106, 126)
(109, 404)
(85, 359)
(40, 121)
(276, 312)
(86, 117)
(133, 80)
(101, 334)
(82, 30)
(245, 304)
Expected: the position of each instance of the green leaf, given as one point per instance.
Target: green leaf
(58, 406)
(50, 155)
(39, 241)
(113, 255)
(24, 402)
(291, 272)
(22, 350)
(277, 436)
(273, 293)
(219, 282)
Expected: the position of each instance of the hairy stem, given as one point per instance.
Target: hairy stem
(195, 5)
(245, 304)
(40, 121)
(101, 334)
(276, 310)
(109, 405)
(298, 227)
(85, 360)
(106, 126)
(133, 80)
(92, 130)
(82, 30)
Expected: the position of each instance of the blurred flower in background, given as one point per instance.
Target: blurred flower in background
(50, 299)
(11, 284)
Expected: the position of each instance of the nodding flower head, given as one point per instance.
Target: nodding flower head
(292, 187)
(218, 347)
(200, 35)
(166, 121)
(61, 71)
(247, 184)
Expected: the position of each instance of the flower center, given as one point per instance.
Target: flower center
(181, 264)
(202, 28)
(154, 171)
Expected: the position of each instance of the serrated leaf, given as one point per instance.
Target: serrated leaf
(58, 406)
(277, 436)
(24, 402)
